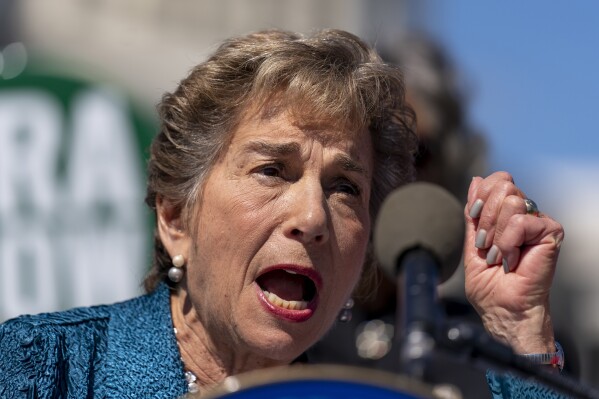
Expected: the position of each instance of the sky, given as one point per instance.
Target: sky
(532, 69)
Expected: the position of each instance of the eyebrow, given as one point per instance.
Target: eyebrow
(349, 164)
(272, 149)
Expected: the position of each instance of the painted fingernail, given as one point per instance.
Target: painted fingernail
(492, 255)
(506, 268)
(477, 207)
(481, 238)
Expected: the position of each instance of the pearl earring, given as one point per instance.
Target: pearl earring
(346, 314)
(175, 273)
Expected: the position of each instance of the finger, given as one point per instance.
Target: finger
(512, 204)
(493, 205)
(471, 213)
(479, 189)
(524, 232)
(472, 191)
(473, 210)
(494, 255)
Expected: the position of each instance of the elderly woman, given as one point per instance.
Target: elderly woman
(272, 162)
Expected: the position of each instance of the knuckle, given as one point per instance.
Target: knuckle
(558, 237)
(508, 188)
(515, 202)
(518, 221)
(506, 176)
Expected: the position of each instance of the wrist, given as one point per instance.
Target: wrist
(526, 332)
(555, 359)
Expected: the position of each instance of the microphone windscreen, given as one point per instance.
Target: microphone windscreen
(420, 215)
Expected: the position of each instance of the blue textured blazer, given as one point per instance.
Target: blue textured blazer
(125, 350)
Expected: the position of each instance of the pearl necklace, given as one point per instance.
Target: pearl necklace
(190, 377)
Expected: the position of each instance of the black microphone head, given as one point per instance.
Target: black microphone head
(420, 215)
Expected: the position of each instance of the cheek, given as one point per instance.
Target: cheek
(352, 228)
(352, 239)
(235, 223)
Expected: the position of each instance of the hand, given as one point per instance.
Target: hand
(509, 259)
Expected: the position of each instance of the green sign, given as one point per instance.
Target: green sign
(73, 227)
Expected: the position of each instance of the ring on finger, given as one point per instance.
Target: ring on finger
(531, 207)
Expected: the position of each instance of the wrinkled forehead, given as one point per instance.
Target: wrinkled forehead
(323, 127)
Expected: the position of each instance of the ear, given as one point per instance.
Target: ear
(171, 228)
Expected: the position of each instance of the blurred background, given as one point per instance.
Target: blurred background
(79, 81)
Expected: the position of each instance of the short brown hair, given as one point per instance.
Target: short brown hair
(331, 76)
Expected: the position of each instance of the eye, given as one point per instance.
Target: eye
(270, 170)
(347, 187)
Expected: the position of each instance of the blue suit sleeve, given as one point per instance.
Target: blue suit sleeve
(507, 386)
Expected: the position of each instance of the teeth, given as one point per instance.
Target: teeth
(282, 303)
(290, 272)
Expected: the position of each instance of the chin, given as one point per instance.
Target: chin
(279, 345)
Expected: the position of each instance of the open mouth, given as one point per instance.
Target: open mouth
(288, 289)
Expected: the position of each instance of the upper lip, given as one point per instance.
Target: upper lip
(306, 271)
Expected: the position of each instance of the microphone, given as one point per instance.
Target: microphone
(418, 240)
(420, 215)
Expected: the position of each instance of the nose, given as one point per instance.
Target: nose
(308, 219)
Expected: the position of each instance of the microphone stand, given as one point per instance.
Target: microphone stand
(417, 311)
(475, 345)
(423, 332)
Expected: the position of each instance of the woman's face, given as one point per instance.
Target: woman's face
(279, 236)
